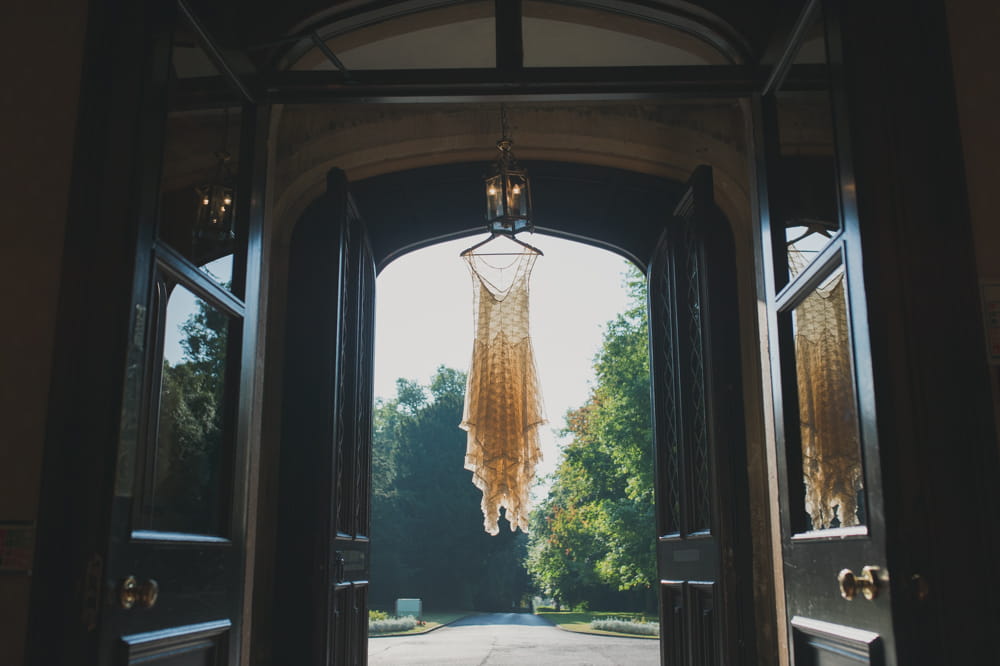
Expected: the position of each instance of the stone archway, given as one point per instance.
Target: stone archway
(659, 142)
(663, 140)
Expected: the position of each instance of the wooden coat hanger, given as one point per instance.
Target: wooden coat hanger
(496, 234)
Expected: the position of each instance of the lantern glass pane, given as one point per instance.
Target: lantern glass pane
(517, 193)
(494, 198)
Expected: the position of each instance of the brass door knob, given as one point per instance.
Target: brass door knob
(867, 583)
(131, 592)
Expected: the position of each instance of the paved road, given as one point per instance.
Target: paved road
(501, 639)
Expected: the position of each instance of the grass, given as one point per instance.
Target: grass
(580, 622)
(431, 621)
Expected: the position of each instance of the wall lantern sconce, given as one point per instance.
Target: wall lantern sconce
(508, 190)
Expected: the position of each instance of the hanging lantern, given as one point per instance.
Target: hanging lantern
(214, 221)
(508, 190)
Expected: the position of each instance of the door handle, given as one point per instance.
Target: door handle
(339, 564)
(867, 583)
(132, 592)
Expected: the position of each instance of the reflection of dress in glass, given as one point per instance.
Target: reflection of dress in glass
(828, 420)
(503, 405)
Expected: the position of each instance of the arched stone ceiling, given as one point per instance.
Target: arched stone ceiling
(664, 141)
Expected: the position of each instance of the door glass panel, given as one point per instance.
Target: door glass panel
(700, 520)
(459, 36)
(197, 212)
(806, 187)
(559, 43)
(195, 428)
(560, 34)
(812, 50)
(828, 420)
(198, 189)
(669, 455)
(806, 192)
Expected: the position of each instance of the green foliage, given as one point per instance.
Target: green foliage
(191, 424)
(428, 538)
(595, 531)
(204, 342)
(377, 615)
(584, 622)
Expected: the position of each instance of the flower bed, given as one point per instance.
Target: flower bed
(392, 625)
(624, 626)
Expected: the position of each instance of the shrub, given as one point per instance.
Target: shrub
(545, 609)
(625, 626)
(377, 615)
(392, 625)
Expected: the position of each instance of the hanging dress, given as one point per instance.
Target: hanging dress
(503, 405)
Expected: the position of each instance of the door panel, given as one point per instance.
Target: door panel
(322, 560)
(703, 547)
(173, 580)
(819, 643)
(190, 468)
(193, 645)
(829, 472)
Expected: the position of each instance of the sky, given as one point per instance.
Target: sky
(424, 319)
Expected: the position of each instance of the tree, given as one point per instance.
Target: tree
(595, 534)
(427, 528)
(192, 421)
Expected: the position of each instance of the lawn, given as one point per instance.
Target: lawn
(580, 622)
(431, 621)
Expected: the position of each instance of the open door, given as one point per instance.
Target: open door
(321, 577)
(703, 539)
(164, 576)
(174, 569)
(143, 548)
(833, 524)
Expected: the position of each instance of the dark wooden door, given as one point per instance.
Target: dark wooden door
(703, 548)
(324, 504)
(169, 588)
(833, 528)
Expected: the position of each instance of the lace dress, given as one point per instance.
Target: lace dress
(503, 406)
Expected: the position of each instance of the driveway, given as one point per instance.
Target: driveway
(515, 639)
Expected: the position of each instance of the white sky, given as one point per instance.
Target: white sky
(424, 319)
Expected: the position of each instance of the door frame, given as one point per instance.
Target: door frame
(899, 87)
(386, 205)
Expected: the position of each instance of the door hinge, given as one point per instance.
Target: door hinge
(92, 591)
